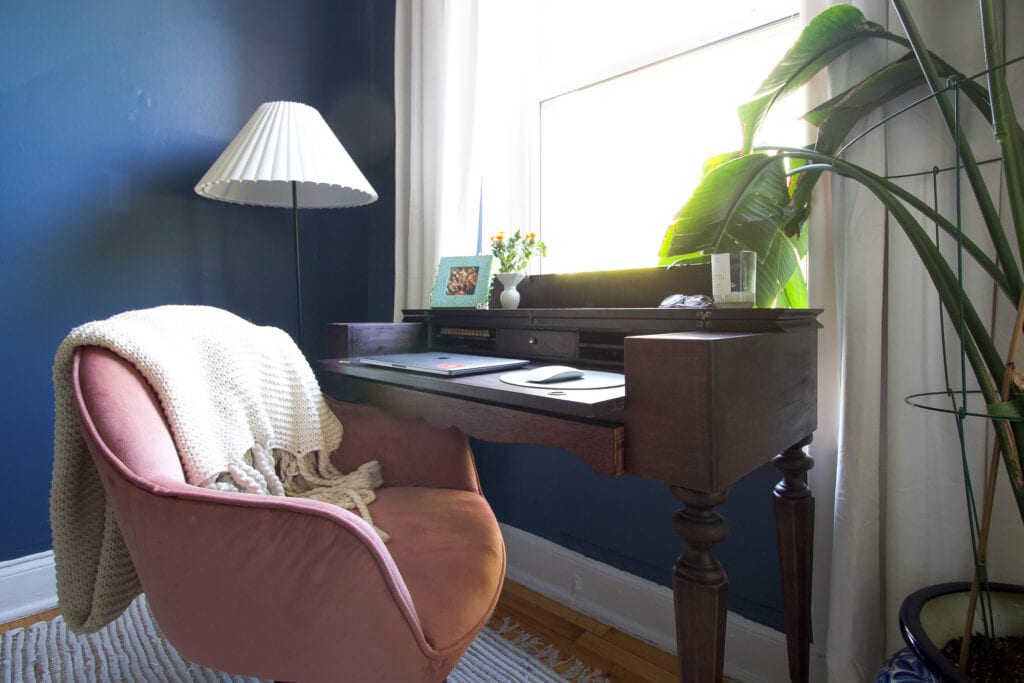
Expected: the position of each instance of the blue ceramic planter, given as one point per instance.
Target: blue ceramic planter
(932, 616)
(905, 667)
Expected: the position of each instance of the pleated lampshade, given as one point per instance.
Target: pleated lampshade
(286, 142)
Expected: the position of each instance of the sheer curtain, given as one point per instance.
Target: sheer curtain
(897, 519)
(437, 191)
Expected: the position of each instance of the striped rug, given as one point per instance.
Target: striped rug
(132, 649)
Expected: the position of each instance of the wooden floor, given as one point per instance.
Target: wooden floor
(621, 658)
(28, 621)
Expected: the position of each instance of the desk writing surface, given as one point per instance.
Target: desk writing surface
(486, 408)
(488, 387)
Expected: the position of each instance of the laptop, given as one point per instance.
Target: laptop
(439, 363)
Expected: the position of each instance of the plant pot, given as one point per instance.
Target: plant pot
(510, 295)
(934, 615)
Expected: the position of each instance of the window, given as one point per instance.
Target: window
(618, 108)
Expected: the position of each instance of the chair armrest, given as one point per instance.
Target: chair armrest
(411, 452)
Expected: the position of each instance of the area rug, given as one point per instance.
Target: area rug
(132, 649)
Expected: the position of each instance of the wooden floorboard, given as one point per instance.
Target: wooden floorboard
(619, 656)
(28, 621)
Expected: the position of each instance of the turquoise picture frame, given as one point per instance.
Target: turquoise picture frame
(462, 282)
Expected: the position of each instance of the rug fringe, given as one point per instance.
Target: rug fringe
(576, 672)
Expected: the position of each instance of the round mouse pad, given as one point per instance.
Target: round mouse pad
(591, 379)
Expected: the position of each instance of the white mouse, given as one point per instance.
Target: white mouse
(549, 374)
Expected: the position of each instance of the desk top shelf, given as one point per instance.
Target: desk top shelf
(590, 336)
(488, 387)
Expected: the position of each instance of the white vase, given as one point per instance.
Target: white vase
(510, 295)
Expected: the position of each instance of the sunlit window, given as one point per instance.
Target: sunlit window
(607, 114)
(619, 158)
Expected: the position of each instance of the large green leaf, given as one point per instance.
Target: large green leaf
(836, 117)
(713, 162)
(741, 202)
(776, 270)
(829, 35)
(796, 291)
(739, 205)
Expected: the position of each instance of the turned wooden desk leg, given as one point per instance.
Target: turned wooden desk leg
(794, 523)
(700, 587)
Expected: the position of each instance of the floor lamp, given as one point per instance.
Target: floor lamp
(287, 155)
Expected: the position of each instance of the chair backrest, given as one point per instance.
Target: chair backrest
(127, 414)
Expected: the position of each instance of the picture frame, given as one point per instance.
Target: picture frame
(462, 282)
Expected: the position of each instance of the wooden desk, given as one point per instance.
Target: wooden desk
(710, 395)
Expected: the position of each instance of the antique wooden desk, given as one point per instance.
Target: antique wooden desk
(710, 395)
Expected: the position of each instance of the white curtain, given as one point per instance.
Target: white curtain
(437, 190)
(897, 520)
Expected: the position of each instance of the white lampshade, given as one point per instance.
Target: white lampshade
(285, 143)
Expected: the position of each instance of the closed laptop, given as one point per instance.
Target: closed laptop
(440, 363)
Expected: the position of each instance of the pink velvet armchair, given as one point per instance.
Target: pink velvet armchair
(294, 589)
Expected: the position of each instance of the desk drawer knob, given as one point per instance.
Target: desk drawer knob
(533, 340)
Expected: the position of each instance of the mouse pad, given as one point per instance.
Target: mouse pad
(591, 379)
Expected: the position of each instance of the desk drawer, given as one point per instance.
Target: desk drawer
(537, 343)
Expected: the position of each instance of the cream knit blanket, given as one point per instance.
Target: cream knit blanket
(245, 412)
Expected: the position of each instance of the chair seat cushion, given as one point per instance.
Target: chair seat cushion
(448, 548)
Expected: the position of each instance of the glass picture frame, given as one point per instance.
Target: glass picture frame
(462, 282)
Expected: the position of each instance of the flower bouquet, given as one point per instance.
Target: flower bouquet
(514, 253)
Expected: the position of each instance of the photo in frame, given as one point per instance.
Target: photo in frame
(462, 282)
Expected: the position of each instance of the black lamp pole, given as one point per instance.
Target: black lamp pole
(298, 276)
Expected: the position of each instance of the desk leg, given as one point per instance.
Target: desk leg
(700, 587)
(794, 523)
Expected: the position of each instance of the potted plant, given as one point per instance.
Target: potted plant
(759, 198)
(514, 254)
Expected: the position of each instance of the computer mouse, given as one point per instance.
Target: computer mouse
(549, 374)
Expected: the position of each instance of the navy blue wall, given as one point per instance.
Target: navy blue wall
(109, 114)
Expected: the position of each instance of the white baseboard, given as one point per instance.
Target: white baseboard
(642, 608)
(28, 586)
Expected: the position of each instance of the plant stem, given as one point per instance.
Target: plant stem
(970, 163)
(989, 496)
(1006, 130)
(1004, 120)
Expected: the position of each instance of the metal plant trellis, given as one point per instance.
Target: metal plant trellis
(957, 399)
